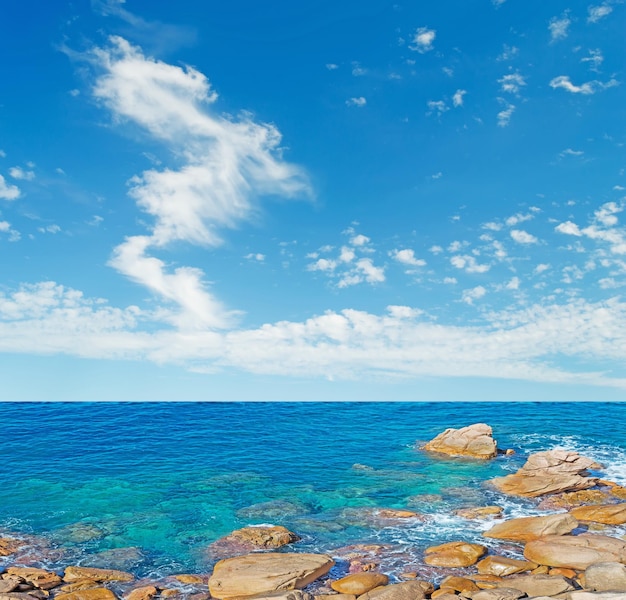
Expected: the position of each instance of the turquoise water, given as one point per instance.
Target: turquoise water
(167, 480)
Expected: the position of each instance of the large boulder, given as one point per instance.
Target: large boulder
(408, 590)
(503, 566)
(44, 580)
(255, 574)
(474, 441)
(359, 583)
(75, 573)
(575, 552)
(606, 577)
(549, 472)
(505, 593)
(454, 554)
(537, 585)
(609, 514)
(525, 529)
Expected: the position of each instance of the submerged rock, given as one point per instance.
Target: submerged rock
(479, 512)
(273, 509)
(474, 441)
(524, 529)
(261, 573)
(548, 472)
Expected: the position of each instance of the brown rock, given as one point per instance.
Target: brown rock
(444, 594)
(394, 513)
(548, 472)
(459, 584)
(609, 514)
(571, 499)
(359, 583)
(9, 584)
(474, 441)
(75, 573)
(575, 552)
(10, 545)
(580, 595)
(90, 594)
(530, 528)
(44, 580)
(262, 536)
(606, 577)
(186, 578)
(170, 593)
(297, 595)
(407, 590)
(569, 573)
(540, 570)
(147, 592)
(504, 593)
(479, 512)
(260, 573)
(454, 554)
(536, 585)
(335, 597)
(502, 566)
(79, 584)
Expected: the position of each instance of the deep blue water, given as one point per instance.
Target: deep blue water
(168, 479)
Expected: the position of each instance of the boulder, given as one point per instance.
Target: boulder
(580, 595)
(548, 472)
(10, 545)
(609, 514)
(407, 590)
(255, 574)
(474, 441)
(79, 584)
(575, 552)
(454, 554)
(44, 580)
(187, 578)
(606, 577)
(265, 536)
(525, 529)
(332, 596)
(504, 593)
(479, 512)
(359, 583)
(537, 585)
(502, 566)
(146, 592)
(395, 513)
(90, 594)
(75, 573)
(458, 584)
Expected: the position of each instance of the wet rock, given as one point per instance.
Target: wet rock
(273, 536)
(458, 584)
(79, 533)
(273, 509)
(609, 514)
(90, 594)
(454, 554)
(335, 597)
(117, 558)
(75, 573)
(170, 593)
(444, 594)
(575, 552)
(536, 585)
(187, 578)
(395, 513)
(570, 499)
(606, 577)
(79, 584)
(10, 545)
(424, 499)
(530, 528)
(407, 590)
(261, 573)
(290, 595)
(479, 512)
(474, 441)
(44, 580)
(548, 472)
(502, 566)
(359, 583)
(146, 592)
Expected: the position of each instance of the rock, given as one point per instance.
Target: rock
(147, 592)
(9, 546)
(295, 595)
(606, 577)
(395, 513)
(9, 584)
(117, 558)
(504, 593)
(359, 583)
(579, 595)
(609, 514)
(454, 554)
(273, 509)
(75, 573)
(536, 585)
(570, 499)
(569, 573)
(170, 593)
(186, 578)
(458, 584)
(407, 590)
(575, 552)
(260, 573)
(80, 532)
(90, 594)
(443, 594)
(474, 441)
(503, 566)
(334, 597)
(262, 536)
(548, 472)
(529, 528)
(79, 584)
(479, 512)
(44, 580)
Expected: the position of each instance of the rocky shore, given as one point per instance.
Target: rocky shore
(573, 550)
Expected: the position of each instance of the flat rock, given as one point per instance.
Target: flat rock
(79, 584)
(10, 545)
(502, 566)
(479, 512)
(75, 573)
(146, 592)
(575, 552)
(606, 577)
(263, 536)
(255, 574)
(474, 441)
(536, 585)
(548, 472)
(609, 514)
(407, 590)
(90, 594)
(44, 580)
(458, 584)
(335, 597)
(581, 595)
(529, 528)
(504, 593)
(359, 583)
(291, 595)
(454, 554)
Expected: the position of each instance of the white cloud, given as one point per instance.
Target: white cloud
(541, 268)
(257, 256)
(437, 175)
(437, 106)
(512, 83)
(450, 280)
(476, 293)
(332, 66)
(323, 264)
(3, 154)
(49, 229)
(590, 87)
(523, 237)
(359, 240)
(508, 52)
(19, 173)
(364, 270)
(423, 40)
(5, 226)
(606, 214)
(568, 228)
(504, 116)
(492, 226)
(599, 12)
(518, 218)
(347, 254)
(359, 102)
(407, 257)
(8, 191)
(558, 27)
(358, 70)
(513, 283)
(594, 59)
(436, 249)
(570, 152)
(457, 99)
(227, 163)
(469, 264)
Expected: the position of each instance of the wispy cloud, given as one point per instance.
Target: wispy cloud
(598, 12)
(504, 116)
(423, 40)
(559, 26)
(512, 83)
(21, 174)
(437, 107)
(359, 102)
(590, 87)
(594, 59)
(457, 99)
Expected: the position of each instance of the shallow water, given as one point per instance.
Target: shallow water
(167, 480)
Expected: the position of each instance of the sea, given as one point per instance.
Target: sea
(151, 487)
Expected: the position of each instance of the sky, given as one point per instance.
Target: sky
(364, 200)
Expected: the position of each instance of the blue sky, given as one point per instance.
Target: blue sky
(377, 200)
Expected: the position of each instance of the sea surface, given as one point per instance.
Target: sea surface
(151, 486)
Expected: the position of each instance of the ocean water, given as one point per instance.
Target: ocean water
(151, 486)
